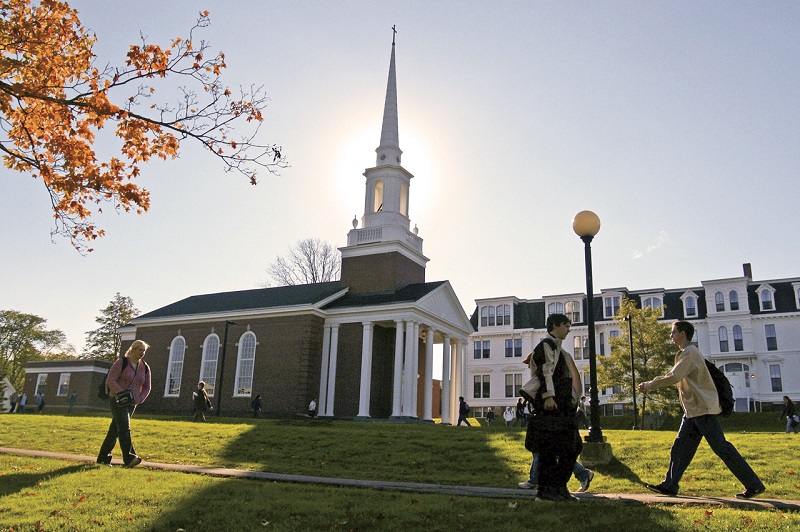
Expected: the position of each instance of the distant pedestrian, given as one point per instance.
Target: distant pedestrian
(255, 404)
(13, 400)
(312, 408)
(23, 403)
(40, 402)
(71, 400)
(490, 416)
(201, 403)
(790, 415)
(700, 402)
(582, 412)
(508, 415)
(463, 412)
(520, 413)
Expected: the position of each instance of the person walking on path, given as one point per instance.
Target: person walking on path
(13, 400)
(508, 415)
(128, 373)
(463, 412)
(490, 416)
(790, 415)
(201, 403)
(255, 404)
(312, 408)
(23, 403)
(700, 402)
(71, 400)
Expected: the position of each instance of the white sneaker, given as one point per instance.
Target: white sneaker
(527, 485)
(585, 483)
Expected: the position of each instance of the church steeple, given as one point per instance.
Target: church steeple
(389, 150)
(383, 254)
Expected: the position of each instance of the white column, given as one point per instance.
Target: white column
(397, 391)
(332, 371)
(408, 370)
(415, 380)
(366, 369)
(446, 354)
(455, 389)
(427, 396)
(323, 374)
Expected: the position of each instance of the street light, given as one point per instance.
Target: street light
(218, 384)
(629, 319)
(586, 225)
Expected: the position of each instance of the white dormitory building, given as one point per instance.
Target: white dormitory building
(749, 329)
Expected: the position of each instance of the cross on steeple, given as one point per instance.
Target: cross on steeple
(394, 32)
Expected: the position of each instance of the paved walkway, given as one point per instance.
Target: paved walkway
(415, 487)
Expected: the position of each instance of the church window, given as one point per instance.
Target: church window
(177, 350)
(377, 197)
(404, 199)
(208, 366)
(245, 364)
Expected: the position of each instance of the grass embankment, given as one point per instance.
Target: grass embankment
(65, 495)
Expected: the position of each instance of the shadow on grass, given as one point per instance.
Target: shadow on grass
(24, 479)
(617, 469)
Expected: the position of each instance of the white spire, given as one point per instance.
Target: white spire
(389, 150)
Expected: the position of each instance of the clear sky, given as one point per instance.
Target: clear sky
(678, 123)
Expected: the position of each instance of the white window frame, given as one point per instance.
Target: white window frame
(613, 298)
(177, 355)
(686, 297)
(63, 384)
(733, 298)
(41, 384)
(719, 300)
(245, 365)
(649, 299)
(515, 385)
(208, 365)
(768, 289)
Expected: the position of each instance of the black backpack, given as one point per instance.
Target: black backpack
(724, 389)
(102, 392)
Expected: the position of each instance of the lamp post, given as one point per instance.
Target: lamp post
(629, 319)
(218, 384)
(586, 225)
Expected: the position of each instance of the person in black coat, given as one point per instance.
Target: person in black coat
(789, 413)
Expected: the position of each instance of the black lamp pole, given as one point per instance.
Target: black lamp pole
(586, 224)
(629, 319)
(218, 384)
(595, 432)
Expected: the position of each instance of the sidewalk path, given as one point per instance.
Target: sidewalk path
(443, 489)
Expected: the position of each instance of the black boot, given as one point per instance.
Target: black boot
(104, 458)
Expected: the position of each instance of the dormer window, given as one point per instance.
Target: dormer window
(766, 297)
(690, 307)
(573, 311)
(487, 316)
(611, 306)
(503, 314)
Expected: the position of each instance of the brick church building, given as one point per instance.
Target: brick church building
(362, 347)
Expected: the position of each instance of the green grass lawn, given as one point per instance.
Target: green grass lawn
(61, 495)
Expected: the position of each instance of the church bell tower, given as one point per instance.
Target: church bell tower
(383, 255)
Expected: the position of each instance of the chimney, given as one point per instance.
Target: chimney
(748, 271)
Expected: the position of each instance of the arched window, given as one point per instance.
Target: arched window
(555, 308)
(503, 314)
(573, 311)
(377, 197)
(691, 307)
(491, 316)
(208, 366)
(733, 297)
(738, 345)
(719, 299)
(245, 364)
(723, 340)
(177, 350)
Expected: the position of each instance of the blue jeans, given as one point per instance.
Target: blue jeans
(580, 472)
(692, 431)
(120, 428)
(789, 427)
